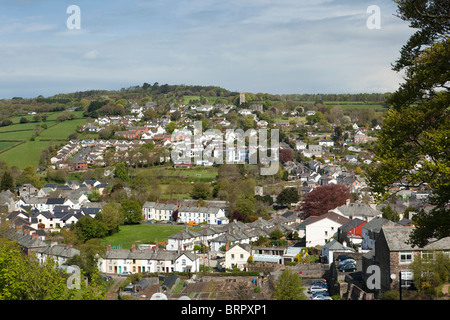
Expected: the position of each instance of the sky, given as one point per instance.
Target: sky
(276, 46)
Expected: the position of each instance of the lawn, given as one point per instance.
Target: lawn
(141, 234)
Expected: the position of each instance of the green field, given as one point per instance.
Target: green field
(29, 153)
(61, 130)
(25, 154)
(141, 234)
(6, 144)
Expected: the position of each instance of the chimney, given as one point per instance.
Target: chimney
(133, 247)
(34, 235)
(18, 228)
(108, 247)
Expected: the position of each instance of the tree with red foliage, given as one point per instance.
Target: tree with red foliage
(286, 155)
(324, 198)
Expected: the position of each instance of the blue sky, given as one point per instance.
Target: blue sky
(278, 46)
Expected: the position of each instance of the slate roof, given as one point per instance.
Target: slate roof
(397, 236)
(375, 224)
(358, 209)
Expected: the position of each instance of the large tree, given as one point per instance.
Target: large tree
(324, 198)
(289, 286)
(413, 148)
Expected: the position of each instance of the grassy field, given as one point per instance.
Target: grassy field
(29, 152)
(25, 154)
(61, 130)
(194, 174)
(210, 100)
(141, 234)
(6, 144)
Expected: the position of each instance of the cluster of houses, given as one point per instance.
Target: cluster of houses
(37, 211)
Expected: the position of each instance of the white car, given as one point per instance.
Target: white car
(317, 288)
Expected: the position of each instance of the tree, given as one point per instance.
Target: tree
(287, 196)
(289, 286)
(201, 190)
(413, 144)
(131, 211)
(175, 215)
(7, 182)
(171, 127)
(430, 271)
(324, 198)
(121, 172)
(24, 278)
(286, 155)
(246, 207)
(88, 228)
(390, 214)
(111, 217)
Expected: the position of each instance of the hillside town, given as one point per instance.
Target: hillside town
(212, 237)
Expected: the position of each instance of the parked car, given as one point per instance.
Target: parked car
(318, 294)
(346, 261)
(342, 257)
(125, 273)
(106, 278)
(321, 282)
(317, 288)
(321, 296)
(348, 267)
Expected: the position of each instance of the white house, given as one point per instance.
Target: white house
(187, 261)
(326, 143)
(183, 240)
(318, 230)
(237, 256)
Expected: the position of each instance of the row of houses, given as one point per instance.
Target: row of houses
(195, 214)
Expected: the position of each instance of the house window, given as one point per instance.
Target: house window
(427, 255)
(232, 256)
(407, 278)
(326, 233)
(241, 256)
(406, 257)
(183, 262)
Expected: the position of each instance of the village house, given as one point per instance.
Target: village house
(237, 256)
(118, 261)
(361, 211)
(371, 231)
(318, 230)
(393, 254)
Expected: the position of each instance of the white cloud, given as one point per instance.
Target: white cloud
(91, 55)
